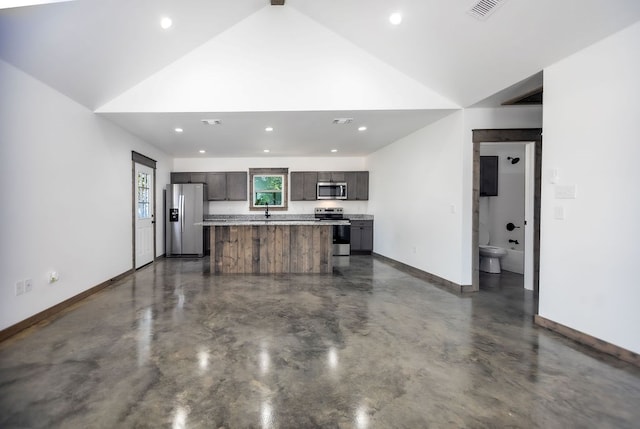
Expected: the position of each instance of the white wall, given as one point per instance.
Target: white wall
(421, 191)
(416, 197)
(293, 164)
(588, 261)
(66, 191)
(508, 206)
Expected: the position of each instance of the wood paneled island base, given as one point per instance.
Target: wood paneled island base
(271, 248)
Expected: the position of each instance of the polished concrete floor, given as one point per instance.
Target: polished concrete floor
(368, 347)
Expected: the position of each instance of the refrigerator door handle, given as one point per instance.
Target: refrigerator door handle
(181, 212)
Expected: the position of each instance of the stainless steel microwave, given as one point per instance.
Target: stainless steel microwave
(332, 191)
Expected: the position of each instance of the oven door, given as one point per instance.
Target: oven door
(342, 240)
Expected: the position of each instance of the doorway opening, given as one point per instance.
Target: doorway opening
(506, 202)
(532, 138)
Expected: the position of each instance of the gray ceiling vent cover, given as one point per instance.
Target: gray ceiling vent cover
(484, 8)
(342, 121)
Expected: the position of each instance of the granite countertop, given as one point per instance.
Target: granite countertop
(276, 219)
(263, 221)
(359, 217)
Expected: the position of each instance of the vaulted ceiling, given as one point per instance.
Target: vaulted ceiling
(293, 67)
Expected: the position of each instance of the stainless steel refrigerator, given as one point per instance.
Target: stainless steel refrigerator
(185, 207)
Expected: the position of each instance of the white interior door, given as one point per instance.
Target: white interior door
(529, 223)
(144, 223)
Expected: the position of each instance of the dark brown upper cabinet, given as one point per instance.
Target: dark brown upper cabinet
(227, 186)
(303, 185)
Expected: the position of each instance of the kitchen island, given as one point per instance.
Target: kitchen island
(271, 245)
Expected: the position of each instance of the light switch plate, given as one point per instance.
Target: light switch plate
(558, 213)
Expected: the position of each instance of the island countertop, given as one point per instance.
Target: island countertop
(274, 222)
(258, 219)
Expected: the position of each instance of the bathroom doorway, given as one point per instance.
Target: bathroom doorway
(506, 202)
(531, 139)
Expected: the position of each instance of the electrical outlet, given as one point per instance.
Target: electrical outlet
(19, 288)
(28, 285)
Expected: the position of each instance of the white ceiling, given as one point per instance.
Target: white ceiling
(93, 50)
(96, 51)
(4, 4)
(300, 133)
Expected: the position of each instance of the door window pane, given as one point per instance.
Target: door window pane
(144, 195)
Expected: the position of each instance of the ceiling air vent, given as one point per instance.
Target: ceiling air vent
(484, 8)
(342, 121)
(211, 121)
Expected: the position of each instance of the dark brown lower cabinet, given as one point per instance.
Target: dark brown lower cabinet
(361, 236)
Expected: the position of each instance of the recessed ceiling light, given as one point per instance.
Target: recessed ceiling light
(362, 128)
(266, 151)
(178, 130)
(166, 22)
(202, 151)
(334, 150)
(268, 129)
(395, 18)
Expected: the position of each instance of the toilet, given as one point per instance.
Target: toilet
(489, 255)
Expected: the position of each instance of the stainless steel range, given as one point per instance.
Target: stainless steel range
(341, 233)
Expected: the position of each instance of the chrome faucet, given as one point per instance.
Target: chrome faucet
(266, 212)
